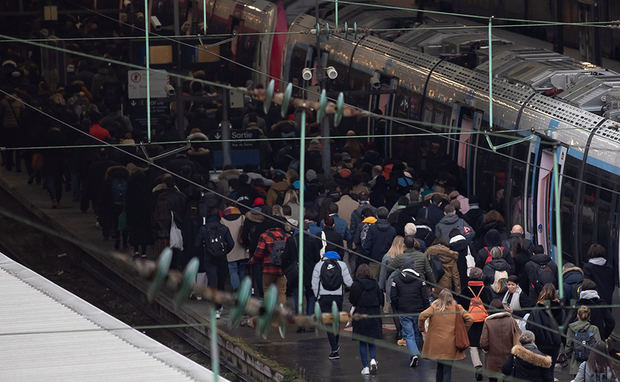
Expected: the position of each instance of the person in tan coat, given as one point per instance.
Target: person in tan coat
(439, 343)
(451, 279)
(499, 334)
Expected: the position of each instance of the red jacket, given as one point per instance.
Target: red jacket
(264, 247)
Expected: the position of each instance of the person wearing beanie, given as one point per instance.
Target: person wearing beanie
(572, 277)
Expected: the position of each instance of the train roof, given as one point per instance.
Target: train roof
(49, 334)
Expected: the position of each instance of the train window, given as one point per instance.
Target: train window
(296, 66)
(360, 81)
(517, 183)
(567, 206)
(588, 231)
(491, 175)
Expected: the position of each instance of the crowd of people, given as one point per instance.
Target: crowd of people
(373, 232)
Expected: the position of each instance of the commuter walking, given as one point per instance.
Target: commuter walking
(499, 334)
(366, 298)
(440, 341)
(598, 367)
(580, 337)
(329, 277)
(270, 253)
(408, 295)
(238, 256)
(526, 362)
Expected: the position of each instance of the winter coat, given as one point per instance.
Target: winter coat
(499, 334)
(379, 239)
(346, 206)
(340, 226)
(234, 223)
(432, 213)
(251, 230)
(474, 217)
(573, 277)
(408, 292)
(439, 342)
(316, 276)
(531, 269)
(602, 275)
(450, 222)
(290, 264)
(356, 215)
(573, 328)
(500, 227)
(496, 265)
(277, 191)
(361, 234)
(213, 223)
(486, 296)
(527, 363)
(138, 208)
(586, 375)
(384, 273)
(459, 244)
(333, 241)
(548, 341)
(451, 279)
(599, 317)
(420, 261)
(366, 297)
(166, 200)
(516, 301)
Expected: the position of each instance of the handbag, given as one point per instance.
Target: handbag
(176, 237)
(461, 339)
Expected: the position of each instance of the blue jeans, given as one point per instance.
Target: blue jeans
(410, 333)
(372, 348)
(310, 300)
(237, 272)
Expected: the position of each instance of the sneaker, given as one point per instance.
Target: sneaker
(401, 342)
(373, 366)
(479, 376)
(365, 371)
(415, 360)
(334, 354)
(218, 314)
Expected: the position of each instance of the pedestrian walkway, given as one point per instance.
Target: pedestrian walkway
(302, 353)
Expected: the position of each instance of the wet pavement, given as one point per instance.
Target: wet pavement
(304, 353)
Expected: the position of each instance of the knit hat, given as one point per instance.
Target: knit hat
(232, 211)
(258, 202)
(311, 175)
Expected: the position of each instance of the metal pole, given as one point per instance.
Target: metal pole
(558, 228)
(490, 73)
(148, 73)
(336, 14)
(215, 356)
(204, 17)
(178, 93)
(225, 130)
(300, 224)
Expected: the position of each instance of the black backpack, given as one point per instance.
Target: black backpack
(437, 268)
(583, 340)
(544, 275)
(214, 243)
(278, 251)
(331, 275)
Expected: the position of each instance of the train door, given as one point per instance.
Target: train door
(543, 197)
(382, 101)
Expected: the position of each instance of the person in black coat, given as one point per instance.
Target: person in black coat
(492, 239)
(526, 362)
(379, 239)
(459, 243)
(541, 269)
(598, 270)
(433, 212)
(333, 240)
(600, 317)
(367, 298)
(214, 264)
(290, 266)
(476, 287)
(408, 295)
(138, 211)
(545, 326)
(520, 254)
(497, 264)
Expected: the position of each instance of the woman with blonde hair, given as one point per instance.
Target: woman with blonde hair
(291, 198)
(440, 341)
(578, 332)
(385, 276)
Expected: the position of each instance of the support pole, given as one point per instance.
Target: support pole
(148, 72)
(336, 1)
(226, 159)
(558, 228)
(490, 74)
(215, 355)
(204, 17)
(300, 224)
(180, 105)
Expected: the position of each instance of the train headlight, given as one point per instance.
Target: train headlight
(306, 74)
(331, 72)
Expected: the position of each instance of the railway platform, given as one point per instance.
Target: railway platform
(299, 356)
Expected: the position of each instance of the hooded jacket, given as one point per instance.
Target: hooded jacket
(421, 264)
(576, 327)
(450, 222)
(459, 244)
(366, 297)
(538, 323)
(451, 278)
(527, 363)
(573, 277)
(379, 239)
(488, 272)
(250, 231)
(408, 292)
(361, 233)
(600, 317)
(531, 271)
(276, 190)
(599, 271)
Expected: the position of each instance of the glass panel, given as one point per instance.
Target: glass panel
(568, 206)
